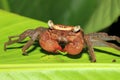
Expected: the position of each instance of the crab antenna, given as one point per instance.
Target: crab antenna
(50, 24)
(76, 28)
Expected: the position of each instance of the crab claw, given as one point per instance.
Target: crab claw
(76, 28)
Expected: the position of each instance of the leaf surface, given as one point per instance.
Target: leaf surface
(44, 65)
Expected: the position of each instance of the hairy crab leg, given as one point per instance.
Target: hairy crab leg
(30, 42)
(115, 38)
(26, 46)
(10, 37)
(21, 37)
(108, 44)
(9, 43)
(104, 36)
(99, 39)
(90, 48)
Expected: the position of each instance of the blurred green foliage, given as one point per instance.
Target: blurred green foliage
(92, 15)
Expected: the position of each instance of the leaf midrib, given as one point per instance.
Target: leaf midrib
(58, 66)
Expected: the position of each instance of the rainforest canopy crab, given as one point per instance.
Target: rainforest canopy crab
(70, 39)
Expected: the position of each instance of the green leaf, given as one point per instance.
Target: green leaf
(92, 15)
(44, 65)
(4, 5)
(60, 71)
(103, 16)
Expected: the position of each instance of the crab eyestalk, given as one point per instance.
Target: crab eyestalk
(76, 28)
(50, 24)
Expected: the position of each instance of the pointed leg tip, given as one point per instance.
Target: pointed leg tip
(5, 49)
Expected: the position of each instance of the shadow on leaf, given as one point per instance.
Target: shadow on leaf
(77, 56)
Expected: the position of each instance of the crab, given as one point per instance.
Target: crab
(62, 38)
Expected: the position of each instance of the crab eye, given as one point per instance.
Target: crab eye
(76, 28)
(50, 24)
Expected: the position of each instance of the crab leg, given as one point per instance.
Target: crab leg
(21, 37)
(10, 37)
(108, 44)
(104, 36)
(99, 39)
(30, 42)
(90, 48)
(108, 38)
(26, 46)
(13, 41)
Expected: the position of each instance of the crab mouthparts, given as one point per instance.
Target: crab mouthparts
(62, 44)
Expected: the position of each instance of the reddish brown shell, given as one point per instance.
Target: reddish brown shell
(50, 40)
